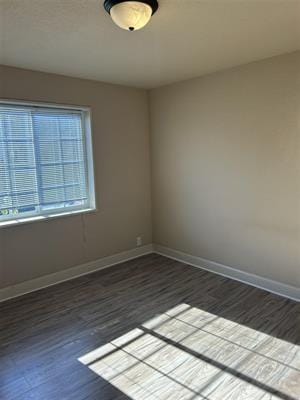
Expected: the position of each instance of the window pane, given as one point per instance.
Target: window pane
(18, 180)
(43, 161)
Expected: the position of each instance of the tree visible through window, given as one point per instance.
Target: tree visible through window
(45, 161)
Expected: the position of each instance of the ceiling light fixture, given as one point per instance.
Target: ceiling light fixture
(131, 15)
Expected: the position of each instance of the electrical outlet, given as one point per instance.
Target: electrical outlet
(139, 241)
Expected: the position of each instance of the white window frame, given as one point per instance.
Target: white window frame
(90, 175)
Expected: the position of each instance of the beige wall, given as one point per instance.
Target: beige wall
(225, 172)
(122, 173)
(226, 167)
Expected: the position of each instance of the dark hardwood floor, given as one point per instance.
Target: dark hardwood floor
(150, 328)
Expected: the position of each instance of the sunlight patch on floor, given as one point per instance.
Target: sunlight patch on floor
(187, 353)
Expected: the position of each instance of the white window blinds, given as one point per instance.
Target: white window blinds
(45, 161)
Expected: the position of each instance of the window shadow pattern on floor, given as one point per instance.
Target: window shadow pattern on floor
(188, 353)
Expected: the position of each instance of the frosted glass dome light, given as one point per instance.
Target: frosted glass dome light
(131, 15)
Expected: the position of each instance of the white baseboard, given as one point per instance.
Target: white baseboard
(278, 288)
(71, 273)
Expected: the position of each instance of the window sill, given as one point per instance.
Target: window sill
(40, 218)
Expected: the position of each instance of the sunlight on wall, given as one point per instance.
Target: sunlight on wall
(187, 353)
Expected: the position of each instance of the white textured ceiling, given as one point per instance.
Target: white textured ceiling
(185, 38)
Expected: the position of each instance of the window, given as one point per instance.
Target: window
(46, 166)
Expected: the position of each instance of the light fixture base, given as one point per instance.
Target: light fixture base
(108, 4)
